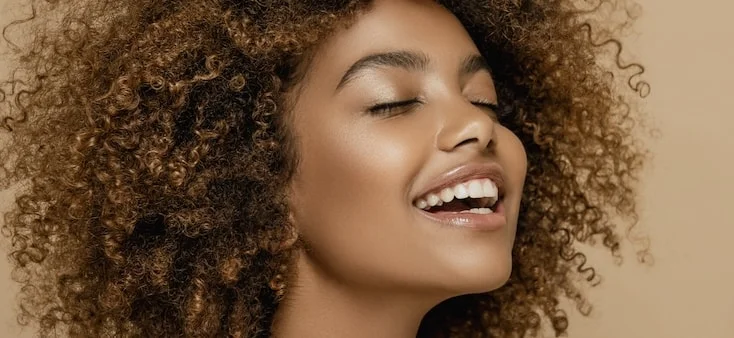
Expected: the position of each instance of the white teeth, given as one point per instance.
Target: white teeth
(478, 188)
(447, 195)
(481, 211)
(460, 191)
(433, 199)
(487, 188)
(490, 190)
(421, 204)
(475, 189)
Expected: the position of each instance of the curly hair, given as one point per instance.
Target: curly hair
(151, 147)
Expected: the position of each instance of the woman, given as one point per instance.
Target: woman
(312, 168)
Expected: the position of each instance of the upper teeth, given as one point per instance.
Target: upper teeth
(477, 188)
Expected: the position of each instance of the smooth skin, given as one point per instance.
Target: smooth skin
(374, 265)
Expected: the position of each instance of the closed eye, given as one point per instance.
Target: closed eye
(488, 105)
(500, 112)
(389, 107)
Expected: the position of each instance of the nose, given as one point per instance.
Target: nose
(465, 125)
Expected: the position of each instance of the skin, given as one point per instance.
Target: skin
(373, 265)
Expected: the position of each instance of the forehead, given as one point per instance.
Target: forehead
(390, 25)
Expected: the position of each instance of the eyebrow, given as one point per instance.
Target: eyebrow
(472, 64)
(408, 60)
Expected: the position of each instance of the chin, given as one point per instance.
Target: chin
(483, 274)
(493, 278)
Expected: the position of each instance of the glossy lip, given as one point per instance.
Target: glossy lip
(489, 222)
(466, 172)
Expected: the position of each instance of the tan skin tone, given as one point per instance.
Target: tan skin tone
(374, 265)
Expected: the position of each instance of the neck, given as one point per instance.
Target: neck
(319, 306)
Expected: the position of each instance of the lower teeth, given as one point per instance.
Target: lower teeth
(481, 211)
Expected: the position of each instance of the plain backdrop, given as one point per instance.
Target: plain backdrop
(685, 197)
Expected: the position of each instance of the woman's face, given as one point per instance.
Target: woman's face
(364, 169)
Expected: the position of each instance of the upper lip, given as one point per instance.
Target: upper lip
(466, 172)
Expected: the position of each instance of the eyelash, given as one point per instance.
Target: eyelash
(389, 107)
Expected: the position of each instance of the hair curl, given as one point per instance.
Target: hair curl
(151, 145)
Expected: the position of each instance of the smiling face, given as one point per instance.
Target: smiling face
(395, 107)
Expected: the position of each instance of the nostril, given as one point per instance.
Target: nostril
(471, 140)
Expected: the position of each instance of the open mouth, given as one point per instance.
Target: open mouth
(484, 214)
(484, 205)
(478, 196)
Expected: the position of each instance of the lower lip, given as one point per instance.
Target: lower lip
(482, 222)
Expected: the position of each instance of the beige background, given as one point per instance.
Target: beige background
(688, 49)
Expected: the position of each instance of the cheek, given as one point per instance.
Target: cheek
(513, 157)
(350, 193)
(352, 164)
(513, 153)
